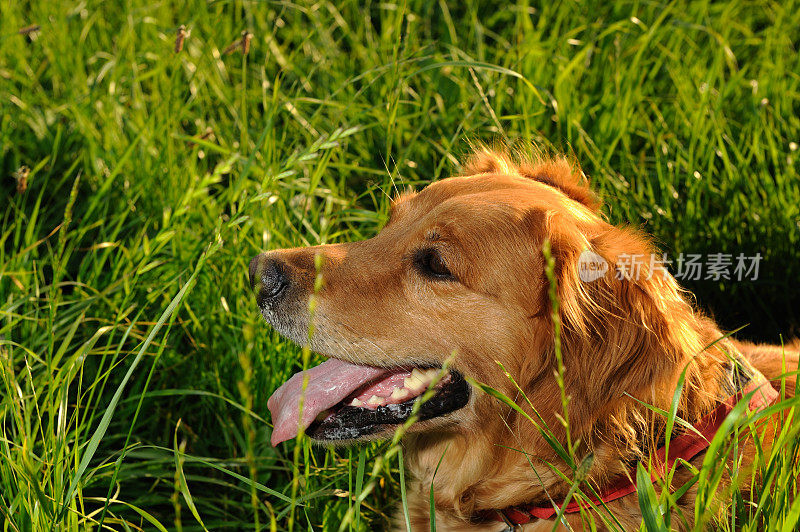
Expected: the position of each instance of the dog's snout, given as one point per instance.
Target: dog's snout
(268, 279)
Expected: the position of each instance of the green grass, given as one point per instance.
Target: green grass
(135, 367)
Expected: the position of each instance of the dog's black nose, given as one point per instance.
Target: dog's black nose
(268, 279)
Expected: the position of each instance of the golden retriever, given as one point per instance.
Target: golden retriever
(459, 270)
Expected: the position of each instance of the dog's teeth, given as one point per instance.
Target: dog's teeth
(413, 383)
(375, 400)
(399, 394)
(419, 375)
(431, 374)
(356, 402)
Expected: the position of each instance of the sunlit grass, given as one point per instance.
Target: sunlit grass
(135, 367)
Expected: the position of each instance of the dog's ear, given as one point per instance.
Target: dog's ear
(486, 161)
(630, 330)
(565, 176)
(557, 172)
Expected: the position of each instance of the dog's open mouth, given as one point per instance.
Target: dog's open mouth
(343, 401)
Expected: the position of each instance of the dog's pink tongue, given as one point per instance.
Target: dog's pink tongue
(328, 384)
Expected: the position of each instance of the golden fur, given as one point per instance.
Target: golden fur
(622, 339)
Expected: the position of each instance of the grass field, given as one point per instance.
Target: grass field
(135, 366)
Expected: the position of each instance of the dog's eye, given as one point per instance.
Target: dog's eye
(431, 263)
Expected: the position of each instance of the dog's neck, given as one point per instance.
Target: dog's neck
(504, 462)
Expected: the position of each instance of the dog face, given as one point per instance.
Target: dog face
(456, 278)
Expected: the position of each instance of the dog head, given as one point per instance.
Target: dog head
(457, 279)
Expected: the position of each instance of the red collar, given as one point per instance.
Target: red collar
(685, 446)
